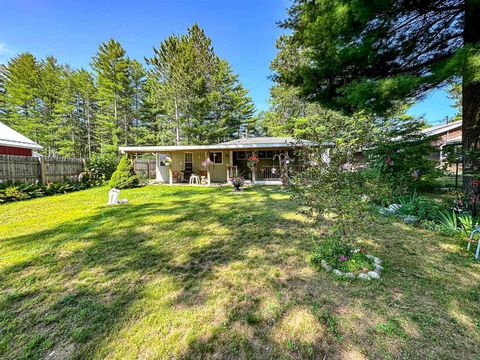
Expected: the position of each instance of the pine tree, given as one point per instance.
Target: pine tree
(111, 67)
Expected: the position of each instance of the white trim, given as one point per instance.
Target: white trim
(218, 147)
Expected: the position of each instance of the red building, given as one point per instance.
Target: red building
(14, 143)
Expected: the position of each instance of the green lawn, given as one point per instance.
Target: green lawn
(194, 272)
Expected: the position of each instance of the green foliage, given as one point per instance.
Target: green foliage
(194, 93)
(330, 249)
(360, 55)
(401, 159)
(420, 206)
(101, 166)
(356, 261)
(468, 223)
(124, 177)
(11, 192)
(448, 219)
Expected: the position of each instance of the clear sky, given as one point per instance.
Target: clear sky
(242, 31)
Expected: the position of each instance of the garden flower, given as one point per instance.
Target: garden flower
(342, 258)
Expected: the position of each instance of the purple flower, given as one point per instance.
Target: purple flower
(342, 258)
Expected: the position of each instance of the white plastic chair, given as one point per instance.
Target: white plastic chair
(477, 252)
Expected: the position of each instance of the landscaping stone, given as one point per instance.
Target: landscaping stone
(377, 261)
(378, 270)
(325, 266)
(373, 275)
(338, 272)
(363, 276)
(350, 275)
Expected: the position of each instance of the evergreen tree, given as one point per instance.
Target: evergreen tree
(20, 86)
(111, 67)
(373, 55)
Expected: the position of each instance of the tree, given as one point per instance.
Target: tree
(20, 97)
(195, 92)
(112, 69)
(373, 55)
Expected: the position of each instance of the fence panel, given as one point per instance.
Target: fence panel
(145, 167)
(16, 168)
(60, 169)
(27, 169)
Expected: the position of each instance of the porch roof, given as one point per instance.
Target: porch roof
(242, 144)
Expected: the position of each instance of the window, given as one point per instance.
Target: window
(216, 157)
(188, 157)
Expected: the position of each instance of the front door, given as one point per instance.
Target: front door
(161, 171)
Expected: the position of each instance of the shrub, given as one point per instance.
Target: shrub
(102, 165)
(401, 158)
(421, 207)
(124, 177)
(448, 220)
(10, 192)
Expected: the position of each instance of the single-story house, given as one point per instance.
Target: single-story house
(14, 143)
(227, 160)
(448, 135)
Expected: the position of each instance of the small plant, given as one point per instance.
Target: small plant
(124, 177)
(237, 183)
(468, 223)
(341, 255)
(206, 163)
(102, 165)
(448, 220)
(252, 161)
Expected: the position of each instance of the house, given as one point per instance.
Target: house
(176, 164)
(448, 135)
(14, 143)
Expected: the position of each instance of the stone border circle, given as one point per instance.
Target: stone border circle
(371, 275)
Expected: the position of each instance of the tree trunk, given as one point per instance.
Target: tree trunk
(471, 99)
(177, 122)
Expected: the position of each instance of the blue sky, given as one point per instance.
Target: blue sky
(242, 31)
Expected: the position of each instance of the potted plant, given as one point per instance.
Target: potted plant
(206, 163)
(252, 161)
(237, 183)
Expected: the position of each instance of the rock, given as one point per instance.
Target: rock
(350, 275)
(338, 272)
(363, 276)
(371, 257)
(325, 266)
(378, 269)
(373, 275)
(377, 261)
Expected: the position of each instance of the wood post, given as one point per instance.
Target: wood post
(43, 170)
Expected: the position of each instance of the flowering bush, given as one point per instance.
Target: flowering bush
(252, 161)
(207, 163)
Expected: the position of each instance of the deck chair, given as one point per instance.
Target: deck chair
(470, 241)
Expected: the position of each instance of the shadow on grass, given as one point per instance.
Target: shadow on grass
(73, 294)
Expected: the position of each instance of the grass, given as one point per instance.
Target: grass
(195, 273)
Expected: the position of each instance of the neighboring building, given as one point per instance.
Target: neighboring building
(448, 135)
(14, 143)
(228, 159)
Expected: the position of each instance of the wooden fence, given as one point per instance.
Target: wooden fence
(145, 167)
(29, 169)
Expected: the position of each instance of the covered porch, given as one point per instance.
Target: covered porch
(220, 163)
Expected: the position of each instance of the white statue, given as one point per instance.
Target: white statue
(113, 196)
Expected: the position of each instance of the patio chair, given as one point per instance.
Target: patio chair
(194, 179)
(477, 252)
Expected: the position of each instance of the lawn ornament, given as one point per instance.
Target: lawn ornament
(113, 196)
(477, 252)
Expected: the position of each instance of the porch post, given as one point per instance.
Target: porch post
(157, 167)
(254, 153)
(208, 169)
(230, 167)
(170, 171)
